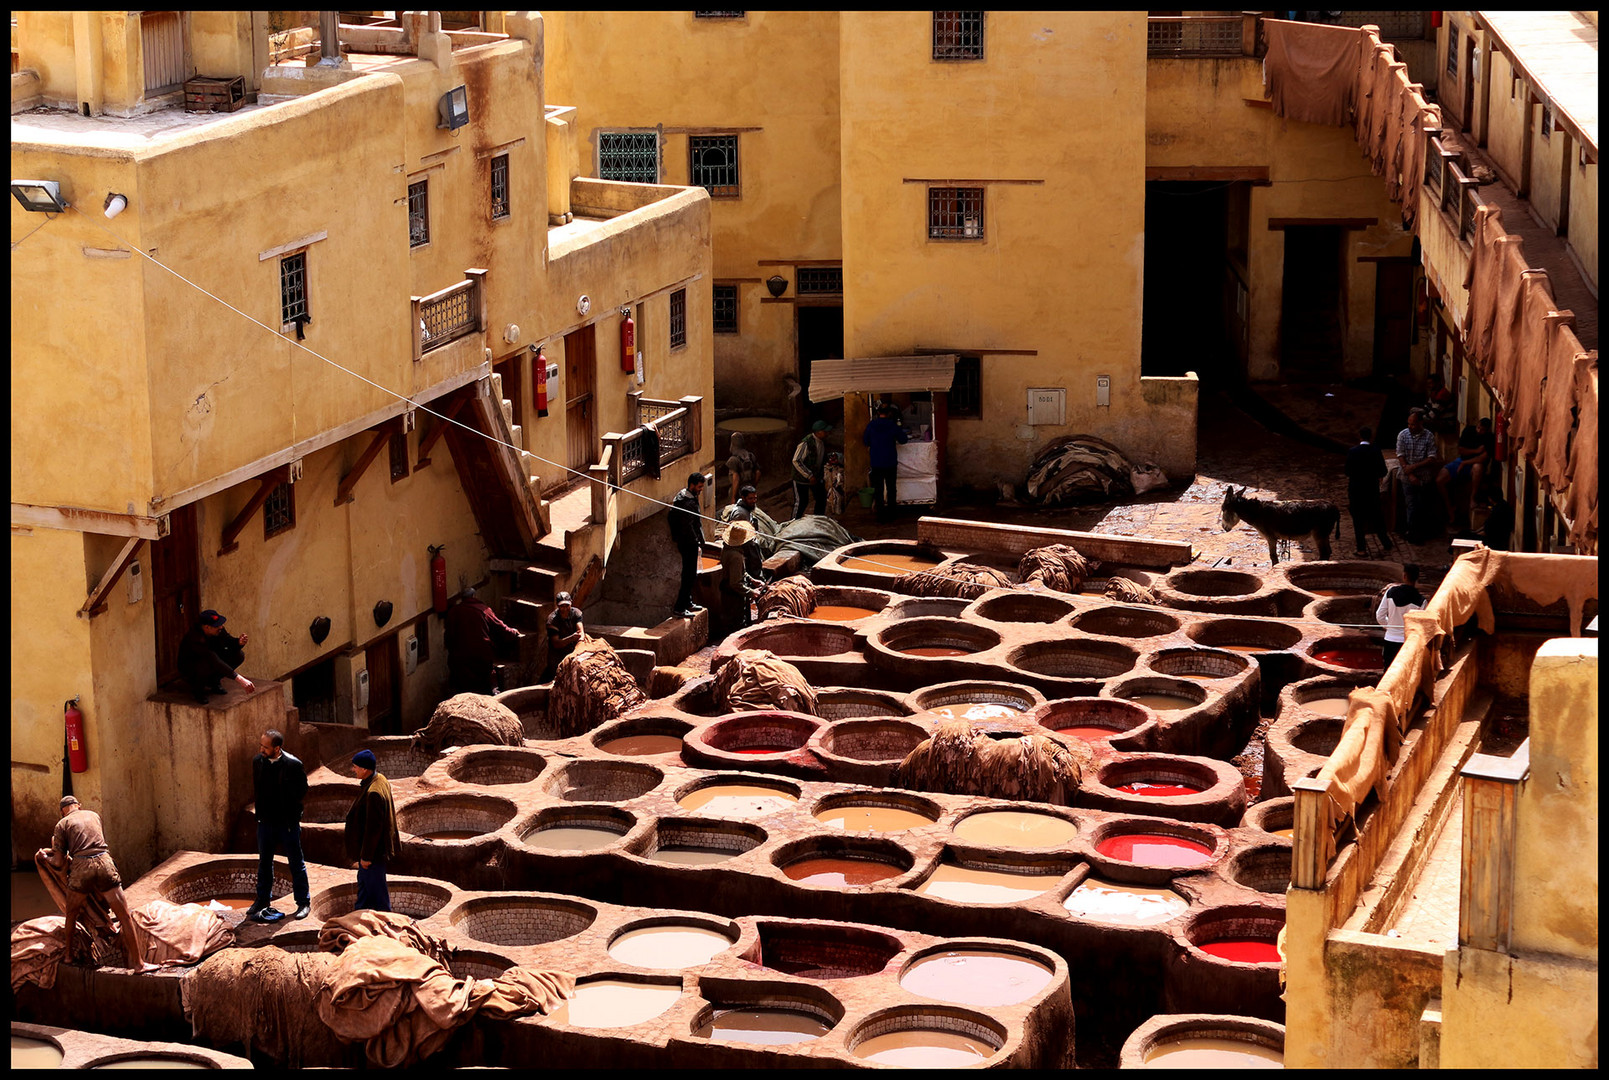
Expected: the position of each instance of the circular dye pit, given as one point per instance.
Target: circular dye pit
(230, 903)
(34, 1054)
(669, 946)
(840, 613)
(924, 1049)
(1246, 648)
(1163, 702)
(1158, 790)
(1124, 905)
(1334, 707)
(615, 1003)
(1213, 583)
(762, 1027)
(935, 650)
(976, 710)
(642, 745)
(156, 1061)
(893, 563)
(682, 855)
(838, 872)
(1015, 829)
(1242, 950)
(976, 977)
(580, 829)
(967, 885)
(1356, 659)
(1213, 1053)
(1088, 734)
(707, 562)
(738, 800)
(862, 818)
(1155, 849)
(700, 843)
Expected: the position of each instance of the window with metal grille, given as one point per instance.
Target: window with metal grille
(678, 318)
(958, 35)
(419, 213)
(718, 14)
(399, 456)
(725, 317)
(632, 156)
(293, 289)
(162, 49)
(955, 213)
(1452, 49)
(1547, 121)
(712, 164)
(279, 511)
(966, 390)
(500, 187)
(820, 281)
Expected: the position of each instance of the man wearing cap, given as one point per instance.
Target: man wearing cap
(1416, 454)
(810, 469)
(371, 833)
(740, 575)
(687, 533)
(78, 845)
(209, 654)
(564, 630)
(473, 635)
(279, 782)
(882, 438)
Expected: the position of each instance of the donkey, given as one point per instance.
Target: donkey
(1278, 519)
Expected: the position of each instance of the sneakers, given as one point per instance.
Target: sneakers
(267, 915)
(684, 613)
(303, 911)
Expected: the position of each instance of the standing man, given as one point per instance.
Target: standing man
(882, 438)
(78, 845)
(564, 630)
(280, 783)
(687, 533)
(209, 654)
(473, 633)
(810, 469)
(743, 467)
(371, 833)
(740, 571)
(1365, 465)
(1396, 601)
(1416, 453)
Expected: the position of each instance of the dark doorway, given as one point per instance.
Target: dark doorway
(1186, 245)
(175, 589)
(385, 688)
(1311, 326)
(313, 693)
(821, 337)
(1393, 315)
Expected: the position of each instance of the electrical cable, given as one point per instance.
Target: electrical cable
(15, 244)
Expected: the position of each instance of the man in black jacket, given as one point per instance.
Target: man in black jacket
(280, 783)
(687, 532)
(1365, 465)
(209, 654)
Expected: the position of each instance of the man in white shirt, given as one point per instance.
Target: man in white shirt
(1396, 601)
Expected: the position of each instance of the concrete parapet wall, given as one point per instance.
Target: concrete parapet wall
(955, 535)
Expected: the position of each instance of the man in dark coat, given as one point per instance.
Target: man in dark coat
(1365, 465)
(810, 470)
(474, 633)
(209, 654)
(280, 783)
(370, 837)
(882, 438)
(687, 533)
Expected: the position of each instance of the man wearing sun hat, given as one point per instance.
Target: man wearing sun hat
(371, 833)
(740, 575)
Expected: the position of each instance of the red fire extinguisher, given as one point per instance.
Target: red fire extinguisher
(628, 345)
(541, 383)
(438, 579)
(77, 748)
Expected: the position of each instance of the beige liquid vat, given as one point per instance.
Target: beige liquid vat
(873, 818)
(153, 1062)
(34, 1054)
(642, 745)
(670, 947)
(1016, 829)
(691, 856)
(615, 1003)
(1209, 1053)
(966, 885)
(1327, 706)
(573, 838)
(737, 800)
(1163, 702)
(922, 1049)
(1129, 905)
(765, 1027)
(976, 710)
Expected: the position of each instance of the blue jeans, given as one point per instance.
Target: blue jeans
(372, 892)
(271, 837)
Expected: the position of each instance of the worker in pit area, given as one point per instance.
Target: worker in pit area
(78, 845)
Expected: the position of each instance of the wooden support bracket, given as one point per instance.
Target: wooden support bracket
(95, 604)
(450, 407)
(267, 483)
(382, 435)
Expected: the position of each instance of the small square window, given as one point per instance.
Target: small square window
(399, 456)
(1452, 49)
(819, 281)
(499, 187)
(718, 14)
(958, 35)
(279, 511)
(678, 318)
(293, 289)
(712, 164)
(725, 320)
(955, 213)
(966, 390)
(631, 156)
(1547, 121)
(419, 213)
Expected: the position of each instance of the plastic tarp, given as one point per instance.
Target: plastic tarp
(917, 478)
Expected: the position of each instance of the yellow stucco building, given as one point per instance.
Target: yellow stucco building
(304, 337)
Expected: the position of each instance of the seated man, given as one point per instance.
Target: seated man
(564, 630)
(1464, 474)
(209, 654)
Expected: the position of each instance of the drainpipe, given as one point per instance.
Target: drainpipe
(329, 39)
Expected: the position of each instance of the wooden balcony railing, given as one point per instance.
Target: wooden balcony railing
(449, 314)
(1202, 36)
(1448, 187)
(676, 424)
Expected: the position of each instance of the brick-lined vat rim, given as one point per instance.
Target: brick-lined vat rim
(1222, 631)
(678, 828)
(1197, 660)
(859, 847)
(834, 701)
(1198, 583)
(1130, 873)
(786, 638)
(734, 732)
(1019, 606)
(406, 896)
(719, 994)
(185, 886)
(1170, 1027)
(993, 691)
(877, 942)
(923, 607)
(465, 916)
(490, 808)
(394, 755)
(1257, 867)
(1096, 658)
(599, 815)
(934, 1016)
(1352, 576)
(836, 742)
(460, 765)
(1126, 621)
(642, 777)
(751, 779)
(1221, 784)
(1058, 715)
(1165, 684)
(1342, 610)
(1205, 925)
(338, 795)
(1271, 814)
(934, 630)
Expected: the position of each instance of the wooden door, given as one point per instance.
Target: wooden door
(175, 589)
(580, 402)
(385, 706)
(1393, 315)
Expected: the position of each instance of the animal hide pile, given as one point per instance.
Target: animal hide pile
(965, 580)
(1130, 592)
(1058, 566)
(590, 687)
(961, 760)
(755, 679)
(794, 595)
(468, 719)
(1078, 468)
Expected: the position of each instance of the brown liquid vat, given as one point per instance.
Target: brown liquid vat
(637, 727)
(576, 822)
(848, 848)
(904, 1027)
(1257, 1036)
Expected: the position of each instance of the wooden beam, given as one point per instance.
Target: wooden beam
(267, 483)
(95, 603)
(382, 435)
(450, 408)
(77, 519)
(1251, 174)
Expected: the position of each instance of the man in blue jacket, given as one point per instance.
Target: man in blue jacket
(882, 437)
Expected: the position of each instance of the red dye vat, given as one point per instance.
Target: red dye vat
(1360, 659)
(1155, 849)
(1145, 787)
(1243, 951)
(763, 750)
(1089, 734)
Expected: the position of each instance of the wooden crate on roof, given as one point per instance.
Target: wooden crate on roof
(206, 94)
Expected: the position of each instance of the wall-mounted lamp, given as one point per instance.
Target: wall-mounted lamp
(454, 108)
(382, 613)
(39, 196)
(115, 204)
(320, 629)
(777, 284)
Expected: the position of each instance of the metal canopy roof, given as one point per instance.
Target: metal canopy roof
(881, 375)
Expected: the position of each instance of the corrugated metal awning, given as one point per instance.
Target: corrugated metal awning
(881, 375)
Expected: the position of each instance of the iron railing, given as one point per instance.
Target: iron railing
(1199, 36)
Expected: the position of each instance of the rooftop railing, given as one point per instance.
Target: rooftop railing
(1202, 36)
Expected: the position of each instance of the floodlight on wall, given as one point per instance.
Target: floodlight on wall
(454, 108)
(776, 284)
(115, 204)
(39, 196)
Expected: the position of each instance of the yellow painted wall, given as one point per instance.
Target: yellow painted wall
(1547, 166)
(775, 72)
(1583, 236)
(1506, 119)
(1518, 1012)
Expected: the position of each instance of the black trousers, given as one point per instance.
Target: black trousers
(883, 490)
(684, 597)
(802, 493)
